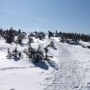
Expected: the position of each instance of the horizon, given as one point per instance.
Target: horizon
(31, 15)
(43, 31)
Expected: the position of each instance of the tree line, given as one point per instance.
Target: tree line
(75, 36)
(17, 36)
(9, 35)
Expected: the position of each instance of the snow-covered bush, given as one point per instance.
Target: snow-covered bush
(38, 56)
(72, 42)
(52, 45)
(14, 53)
(30, 40)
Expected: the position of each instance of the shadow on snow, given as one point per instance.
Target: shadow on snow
(45, 65)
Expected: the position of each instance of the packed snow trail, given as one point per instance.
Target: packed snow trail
(68, 75)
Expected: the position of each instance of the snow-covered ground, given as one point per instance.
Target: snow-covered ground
(69, 69)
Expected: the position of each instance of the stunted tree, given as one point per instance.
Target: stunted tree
(30, 39)
(50, 34)
(38, 56)
(20, 37)
(46, 52)
(19, 31)
(15, 52)
(9, 53)
(10, 36)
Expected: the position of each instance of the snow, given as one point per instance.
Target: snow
(69, 69)
(82, 43)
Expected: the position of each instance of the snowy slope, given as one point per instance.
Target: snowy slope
(74, 69)
(69, 69)
(23, 74)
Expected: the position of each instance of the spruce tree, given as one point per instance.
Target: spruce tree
(10, 36)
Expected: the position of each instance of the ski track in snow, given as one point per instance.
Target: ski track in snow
(9, 68)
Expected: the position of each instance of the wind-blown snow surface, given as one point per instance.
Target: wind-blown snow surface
(69, 69)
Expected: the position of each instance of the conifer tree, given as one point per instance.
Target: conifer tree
(10, 36)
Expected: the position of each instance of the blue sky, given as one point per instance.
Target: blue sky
(44, 15)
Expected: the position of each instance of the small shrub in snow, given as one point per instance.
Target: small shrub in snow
(15, 53)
